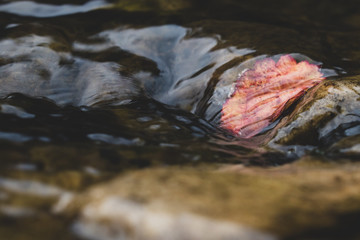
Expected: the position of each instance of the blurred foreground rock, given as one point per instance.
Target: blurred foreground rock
(118, 218)
(304, 199)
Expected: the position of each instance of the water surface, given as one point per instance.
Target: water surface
(91, 89)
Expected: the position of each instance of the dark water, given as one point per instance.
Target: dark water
(92, 88)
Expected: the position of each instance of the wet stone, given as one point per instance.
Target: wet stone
(324, 116)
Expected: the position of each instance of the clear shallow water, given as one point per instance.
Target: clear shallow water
(93, 88)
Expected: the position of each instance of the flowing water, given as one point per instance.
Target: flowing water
(90, 89)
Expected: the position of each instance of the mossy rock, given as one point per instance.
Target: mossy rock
(322, 117)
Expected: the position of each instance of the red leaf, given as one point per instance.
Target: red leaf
(263, 92)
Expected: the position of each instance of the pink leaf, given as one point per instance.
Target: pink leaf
(263, 92)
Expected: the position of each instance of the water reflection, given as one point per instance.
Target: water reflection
(185, 67)
(178, 67)
(30, 187)
(12, 211)
(186, 64)
(42, 10)
(106, 138)
(8, 109)
(26, 167)
(31, 67)
(15, 137)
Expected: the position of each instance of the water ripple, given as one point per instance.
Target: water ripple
(30, 187)
(41, 10)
